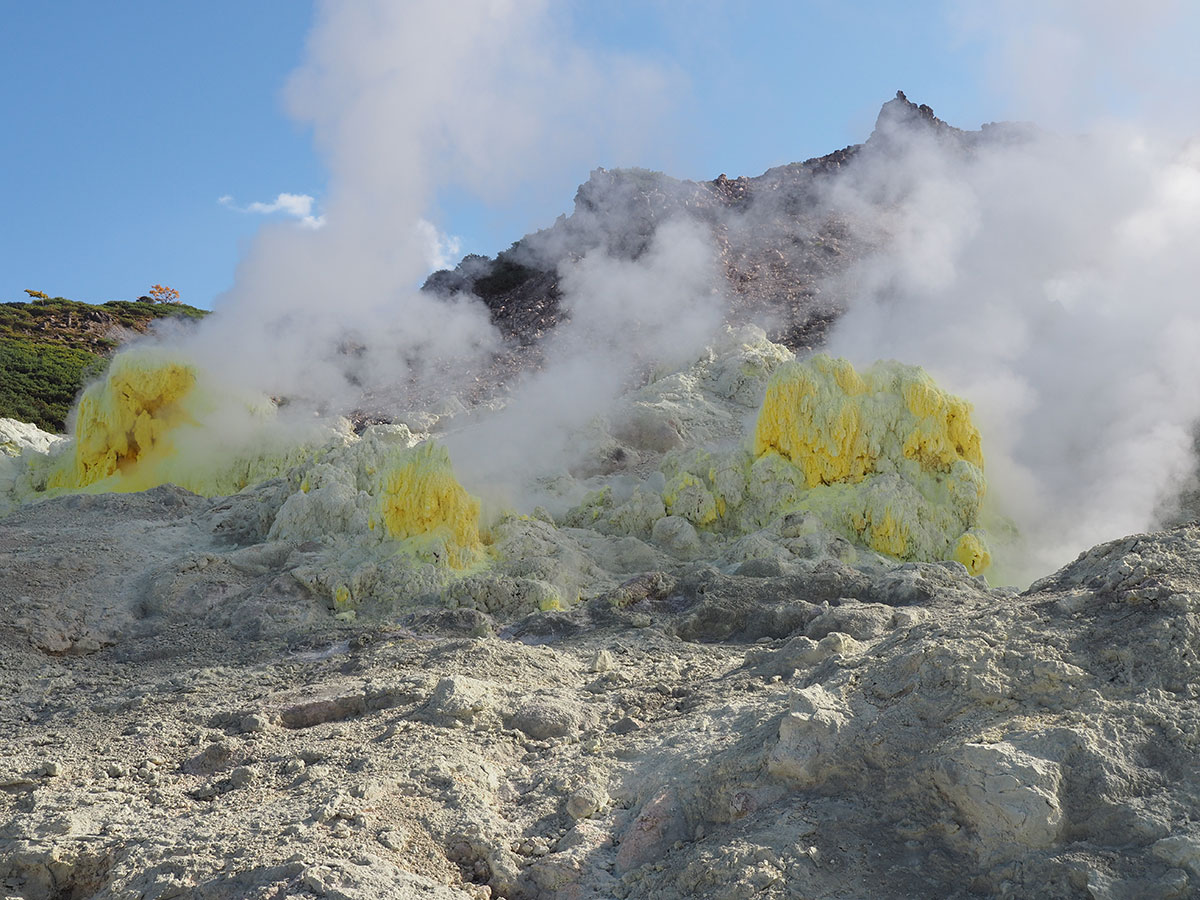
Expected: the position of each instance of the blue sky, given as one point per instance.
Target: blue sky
(127, 122)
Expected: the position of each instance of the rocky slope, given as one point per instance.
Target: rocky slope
(675, 683)
(182, 719)
(781, 236)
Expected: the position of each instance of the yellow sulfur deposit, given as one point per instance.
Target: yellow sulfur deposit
(124, 424)
(837, 424)
(156, 419)
(887, 535)
(813, 415)
(972, 553)
(943, 432)
(685, 495)
(421, 501)
(904, 455)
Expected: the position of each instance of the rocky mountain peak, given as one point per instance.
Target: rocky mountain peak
(779, 236)
(900, 116)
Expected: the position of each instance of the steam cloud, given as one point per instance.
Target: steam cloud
(406, 101)
(623, 316)
(1050, 280)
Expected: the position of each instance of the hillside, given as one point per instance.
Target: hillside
(743, 629)
(48, 347)
(782, 238)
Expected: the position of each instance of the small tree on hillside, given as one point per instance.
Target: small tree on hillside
(160, 293)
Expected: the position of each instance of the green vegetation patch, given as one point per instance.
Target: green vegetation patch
(138, 310)
(39, 381)
(97, 327)
(50, 346)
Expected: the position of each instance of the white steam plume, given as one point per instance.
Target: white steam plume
(1052, 282)
(1072, 62)
(622, 316)
(406, 100)
(442, 250)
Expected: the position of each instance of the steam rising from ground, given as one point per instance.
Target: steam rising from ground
(625, 316)
(491, 97)
(405, 101)
(1071, 62)
(1051, 281)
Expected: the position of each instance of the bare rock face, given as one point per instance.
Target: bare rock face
(1008, 797)
(622, 704)
(900, 118)
(953, 741)
(811, 736)
(781, 238)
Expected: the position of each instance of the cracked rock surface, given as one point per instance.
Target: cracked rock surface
(181, 718)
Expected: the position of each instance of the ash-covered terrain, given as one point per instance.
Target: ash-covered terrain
(741, 627)
(184, 720)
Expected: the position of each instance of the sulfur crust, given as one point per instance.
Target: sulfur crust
(881, 458)
(836, 424)
(841, 427)
(813, 416)
(944, 432)
(124, 424)
(972, 553)
(685, 495)
(420, 500)
(151, 421)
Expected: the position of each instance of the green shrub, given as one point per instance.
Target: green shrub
(50, 346)
(39, 382)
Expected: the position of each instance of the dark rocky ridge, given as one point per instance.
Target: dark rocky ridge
(782, 237)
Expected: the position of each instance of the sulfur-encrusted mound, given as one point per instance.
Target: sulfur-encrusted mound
(883, 458)
(385, 517)
(155, 419)
(421, 502)
(886, 452)
(123, 423)
(839, 460)
(838, 425)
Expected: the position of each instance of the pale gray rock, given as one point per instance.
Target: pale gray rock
(502, 596)
(677, 536)
(1009, 798)
(586, 801)
(1181, 851)
(812, 738)
(546, 718)
(182, 718)
(461, 697)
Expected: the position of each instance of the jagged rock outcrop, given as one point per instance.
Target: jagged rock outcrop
(781, 237)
